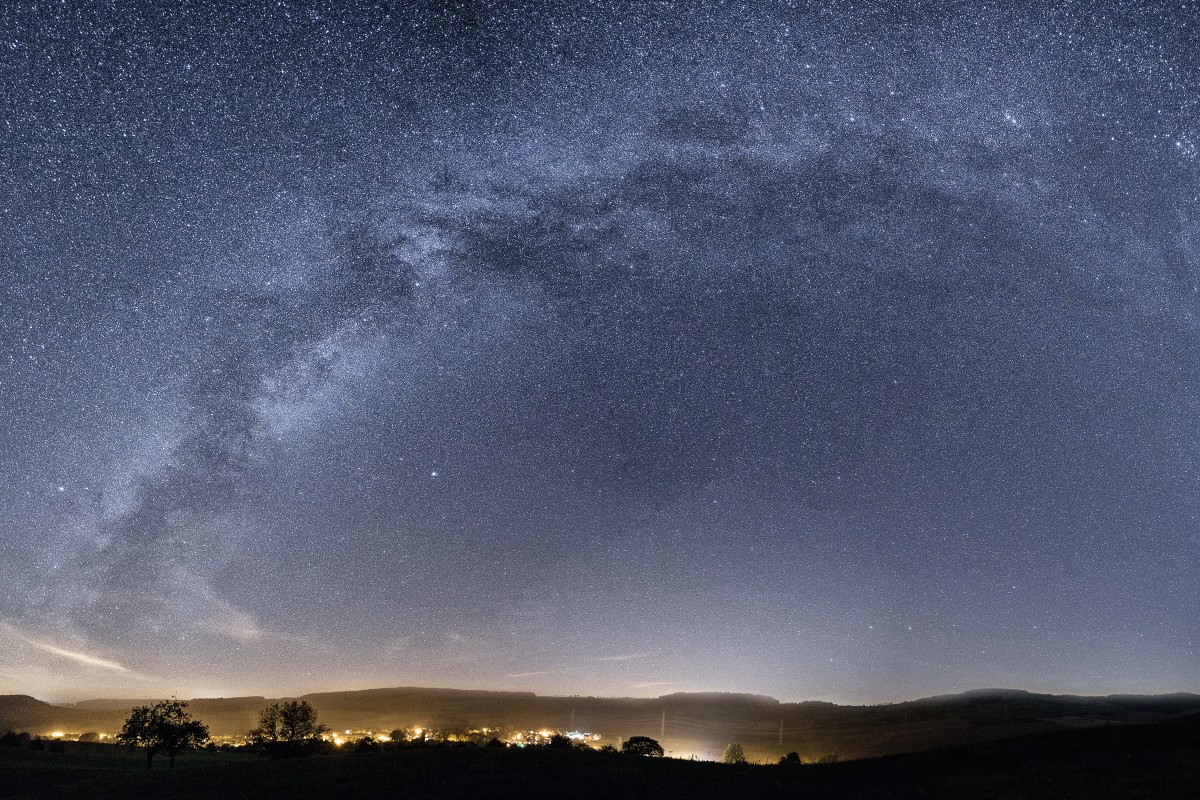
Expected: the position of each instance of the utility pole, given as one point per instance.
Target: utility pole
(662, 729)
(572, 720)
(781, 731)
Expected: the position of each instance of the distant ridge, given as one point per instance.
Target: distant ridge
(1026, 693)
(22, 703)
(728, 697)
(687, 723)
(405, 690)
(989, 693)
(110, 704)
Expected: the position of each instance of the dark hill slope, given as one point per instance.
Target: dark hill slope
(1143, 761)
(700, 724)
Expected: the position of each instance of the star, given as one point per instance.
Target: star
(648, 280)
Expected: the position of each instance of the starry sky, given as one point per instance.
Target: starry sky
(838, 350)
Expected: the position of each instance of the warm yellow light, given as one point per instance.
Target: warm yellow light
(57, 734)
(383, 738)
(417, 731)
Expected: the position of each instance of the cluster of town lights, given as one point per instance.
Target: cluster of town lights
(339, 738)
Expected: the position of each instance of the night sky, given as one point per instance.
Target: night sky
(834, 350)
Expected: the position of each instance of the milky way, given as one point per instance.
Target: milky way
(841, 351)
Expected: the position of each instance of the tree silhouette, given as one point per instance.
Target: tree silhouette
(642, 746)
(292, 722)
(164, 727)
(734, 754)
(792, 759)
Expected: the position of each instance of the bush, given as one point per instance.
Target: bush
(294, 749)
(642, 746)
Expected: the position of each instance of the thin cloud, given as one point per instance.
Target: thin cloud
(82, 658)
(624, 657)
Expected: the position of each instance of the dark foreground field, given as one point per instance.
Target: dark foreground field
(1152, 761)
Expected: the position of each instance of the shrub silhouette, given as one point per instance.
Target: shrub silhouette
(642, 746)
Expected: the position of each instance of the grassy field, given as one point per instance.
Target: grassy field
(1155, 761)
